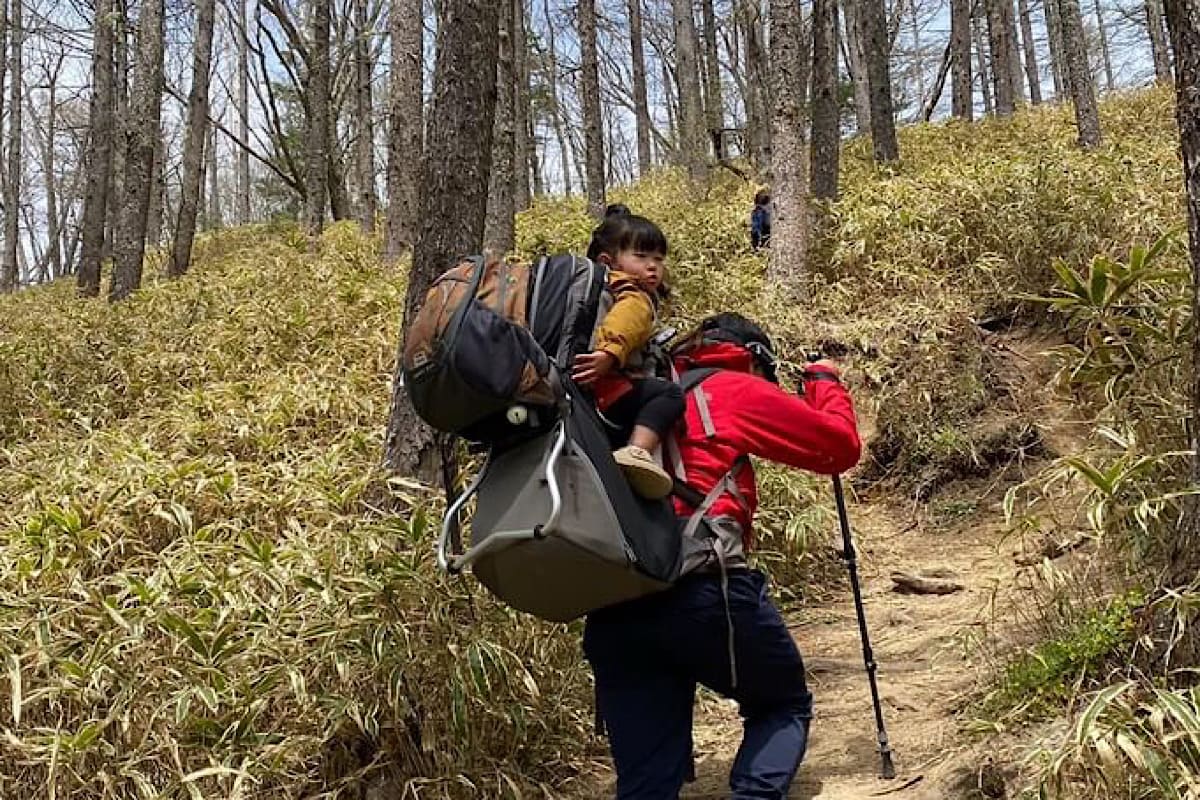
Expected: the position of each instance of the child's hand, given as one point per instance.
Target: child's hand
(589, 367)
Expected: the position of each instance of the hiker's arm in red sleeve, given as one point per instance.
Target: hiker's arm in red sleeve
(817, 432)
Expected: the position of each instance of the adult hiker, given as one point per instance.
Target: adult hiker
(760, 220)
(717, 625)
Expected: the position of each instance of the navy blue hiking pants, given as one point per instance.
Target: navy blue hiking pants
(649, 654)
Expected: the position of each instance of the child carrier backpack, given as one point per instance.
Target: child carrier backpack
(493, 335)
(557, 532)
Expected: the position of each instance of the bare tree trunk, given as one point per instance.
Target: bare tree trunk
(981, 54)
(454, 186)
(714, 102)
(692, 141)
(535, 162)
(873, 32)
(1105, 52)
(641, 103)
(10, 268)
(590, 100)
(335, 161)
(101, 132)
(143, 133)
(499, 234)
(1079, 73)
(1158, 41)
(826, 115)
(406, 127)
(243, 111)
(216, 219)
(790, 221)
(317, 156)
(1002, 55)
(757, 113)
(53, 224)
(555, 107)
(856, 60)
(193, 140)
(521, 138)
(1014, 51)
(116, 188)
(1058, 67)
(158, 192)
(1183, 22)
(364, 109)
(1031, 65)
(961, 103)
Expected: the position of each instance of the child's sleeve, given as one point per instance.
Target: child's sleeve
(629, 323)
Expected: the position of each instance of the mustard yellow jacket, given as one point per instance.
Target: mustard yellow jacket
(629, 324)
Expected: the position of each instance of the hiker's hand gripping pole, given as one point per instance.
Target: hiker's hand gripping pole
(887, 768)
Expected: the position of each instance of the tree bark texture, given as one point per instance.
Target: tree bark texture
(53, 225)
(364, 108)
(10, 267)
(556, 116)
(98, 165)
(405, 123)
(641, 103)
(856, 61)
(790, 219)
(214, 217)
(242, 163)
(499, 232)
(116, 189)
(1058, 68)
(453, 187)
(981, 54)
(1079, 73)
(1183, 22)
(1003, 52)
(522, 141)
(1159, 49)
(142, 136)
(714, 102)
(874, 34)
(692, 141)
(757, 113)
(316, 155)
(158, 193)
(826, 113)
(1105, 51)
(1031, 64)
(593, 134)
(193, 140)
(962, 104)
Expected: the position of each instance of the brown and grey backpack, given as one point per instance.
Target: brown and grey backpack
(492, 335)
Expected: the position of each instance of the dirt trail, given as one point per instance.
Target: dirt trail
(926, 646)
(923, 645)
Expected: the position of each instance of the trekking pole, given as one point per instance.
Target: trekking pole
(887, 768)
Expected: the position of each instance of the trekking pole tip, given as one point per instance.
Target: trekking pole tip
(889, 769)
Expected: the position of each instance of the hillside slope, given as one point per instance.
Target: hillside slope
(207, 584)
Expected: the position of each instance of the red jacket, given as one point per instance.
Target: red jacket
(752, 416)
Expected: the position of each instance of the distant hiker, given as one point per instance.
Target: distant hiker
(716, 625)
(642, 407)
(760, 220)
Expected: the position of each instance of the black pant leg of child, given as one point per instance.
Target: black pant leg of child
(652, 402)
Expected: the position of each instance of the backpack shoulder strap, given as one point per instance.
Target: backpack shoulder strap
(690, 381)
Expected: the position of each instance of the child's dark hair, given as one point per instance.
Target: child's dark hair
(621, 232)
(762, 197)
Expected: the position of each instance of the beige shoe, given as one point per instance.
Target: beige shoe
(644, 474)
